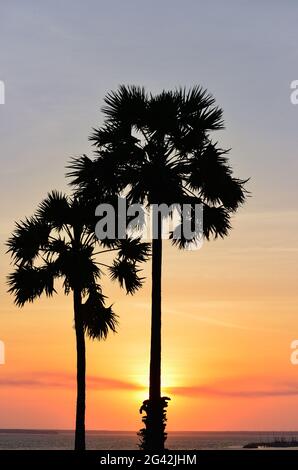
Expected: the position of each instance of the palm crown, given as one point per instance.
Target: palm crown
(157, 149)
(58, 242)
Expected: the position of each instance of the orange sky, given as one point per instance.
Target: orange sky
(229, 316)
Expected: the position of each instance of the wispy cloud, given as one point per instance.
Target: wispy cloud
(65, 380)
(207, 319)
(218, 322)
(204, 391)
(234, 387)
(239, 388)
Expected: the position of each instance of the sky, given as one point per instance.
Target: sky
(230, 308)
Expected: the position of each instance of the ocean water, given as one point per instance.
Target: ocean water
(118, 440)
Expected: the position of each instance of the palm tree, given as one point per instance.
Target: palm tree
(58, 242)
(155, 150)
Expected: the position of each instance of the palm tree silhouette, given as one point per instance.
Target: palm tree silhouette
(155, 150)
(59, 242)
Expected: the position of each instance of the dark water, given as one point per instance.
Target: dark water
(116, 440)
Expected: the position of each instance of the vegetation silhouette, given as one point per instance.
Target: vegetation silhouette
(59, 242)
(158, 149)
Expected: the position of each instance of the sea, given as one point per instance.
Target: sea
(21, 439)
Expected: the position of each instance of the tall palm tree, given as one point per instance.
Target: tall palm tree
(158, 149)
(58, 242)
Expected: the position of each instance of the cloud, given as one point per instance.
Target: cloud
(203, 391)
(219, 322)
(65, 380)
(233, 387)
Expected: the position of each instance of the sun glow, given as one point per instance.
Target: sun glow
(169, 381)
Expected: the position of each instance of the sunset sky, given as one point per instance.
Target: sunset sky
(230, 309)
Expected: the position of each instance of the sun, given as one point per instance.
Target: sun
(169, 380)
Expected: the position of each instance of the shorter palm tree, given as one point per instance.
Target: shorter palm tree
(59, 242)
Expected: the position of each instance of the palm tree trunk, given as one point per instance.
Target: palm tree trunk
(81, 373)
(156, 432)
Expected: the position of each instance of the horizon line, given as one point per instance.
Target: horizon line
(130, 431)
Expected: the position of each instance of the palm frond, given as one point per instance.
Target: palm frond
(126, 106)
(132, 249)
(197, 109)
(126, 273)
(57, 246)
(189, 231)
(27, 283)
(216, 222)
(112, 136)
(55, 210)
(210, 174)
(97, 179)
(29, 236)
(98, 319)
(81, 170)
